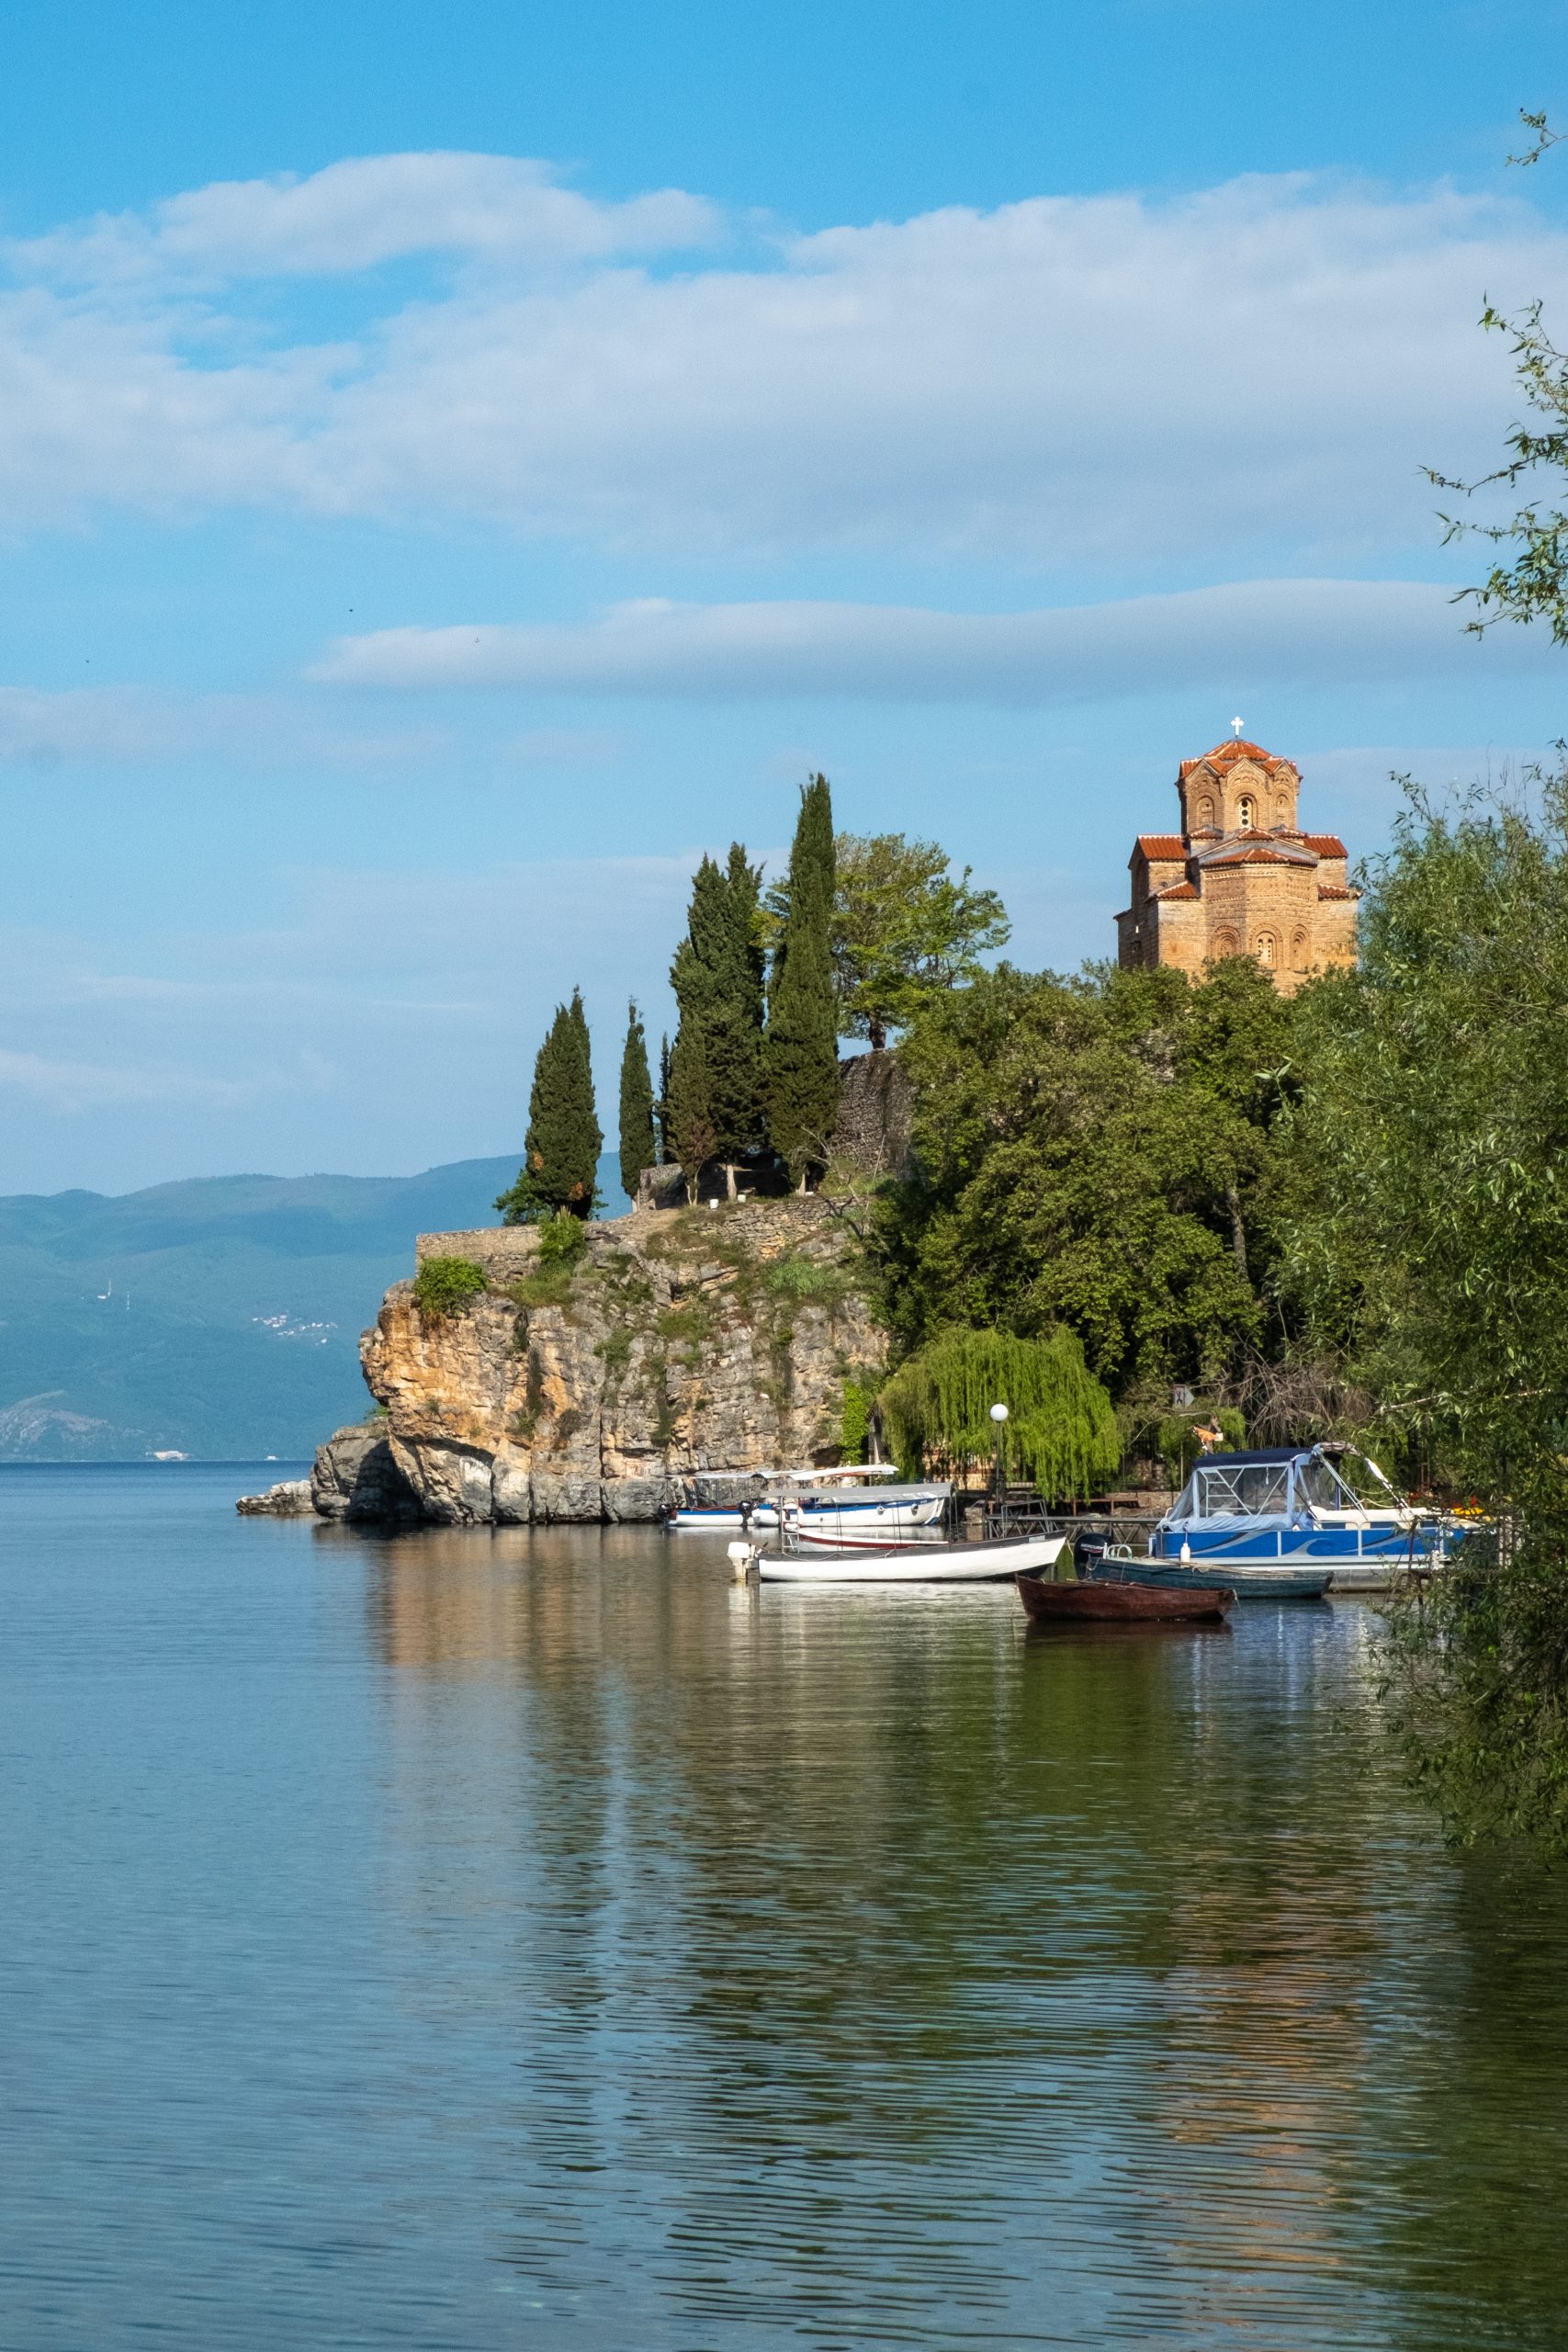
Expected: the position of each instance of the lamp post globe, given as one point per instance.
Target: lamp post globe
(999, 1465)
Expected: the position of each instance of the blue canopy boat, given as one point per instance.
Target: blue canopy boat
(1291, 1520)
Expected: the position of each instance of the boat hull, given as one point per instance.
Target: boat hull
(1267, 1581)
(877, 1520)
(917, 1563)
(1102, 1603)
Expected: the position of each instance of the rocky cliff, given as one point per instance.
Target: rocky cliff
(677, 1342)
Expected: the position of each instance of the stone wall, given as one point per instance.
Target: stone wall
(680, 1342)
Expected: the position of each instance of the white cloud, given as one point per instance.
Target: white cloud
(77, 1086)
(1253, 632)
(1109, 378)
(366, 210)
(132, 726)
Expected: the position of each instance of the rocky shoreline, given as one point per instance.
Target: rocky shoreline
(679, 1344)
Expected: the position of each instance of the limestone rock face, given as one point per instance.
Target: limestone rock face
(354, 1477)
(677, 1342)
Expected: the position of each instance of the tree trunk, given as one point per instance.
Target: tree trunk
(878, 1033)
(1239, 1230)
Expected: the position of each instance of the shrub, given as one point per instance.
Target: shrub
(562, 1239)
(443, 1286)
(855, 1420)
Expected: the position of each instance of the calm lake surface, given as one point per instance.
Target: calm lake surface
(475, 1940)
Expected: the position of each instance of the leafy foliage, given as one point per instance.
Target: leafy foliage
(854, 1419)
(560, 1151)
(637, 1147)
(1094, 1153)
(1427, 1240)
(802, 1061)
(562, 1239)
(904, 927)
(1062, 1429)
(444, 1286)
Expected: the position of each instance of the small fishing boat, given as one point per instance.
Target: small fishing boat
(903, 1564)
(1098, 1602)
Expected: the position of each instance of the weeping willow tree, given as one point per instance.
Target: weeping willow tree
(1061, 1429)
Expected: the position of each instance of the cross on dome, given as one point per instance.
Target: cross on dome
(1237, 726)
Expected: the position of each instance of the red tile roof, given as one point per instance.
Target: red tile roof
(1225, 755)
(1176, 890)
(1325, 844)
(1332, 890)
(1162, 848)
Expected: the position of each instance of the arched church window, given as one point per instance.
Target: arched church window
(1267, 950)
(1299, 952)
(1226, 943)
(1247, 812)
(1282, 810)
(1205, 814)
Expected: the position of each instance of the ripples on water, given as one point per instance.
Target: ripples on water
(470, 1940)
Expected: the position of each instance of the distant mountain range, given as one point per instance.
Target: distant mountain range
(218, 1318)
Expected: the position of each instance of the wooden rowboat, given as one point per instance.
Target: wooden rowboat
(1119, 1604)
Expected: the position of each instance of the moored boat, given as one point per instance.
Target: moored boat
(910, 1563)
(1263, 1583)
(1097, 1602)
(1294, 1520)
(831, 1500)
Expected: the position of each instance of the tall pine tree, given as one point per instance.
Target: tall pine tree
(560, 1152)
(802, 1065)
(636, 1105)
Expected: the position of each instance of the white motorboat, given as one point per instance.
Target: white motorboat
(905, 1564)
(831, 1500)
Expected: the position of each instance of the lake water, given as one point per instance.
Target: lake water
(534, 1940)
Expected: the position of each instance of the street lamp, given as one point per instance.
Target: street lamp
(999, 1473)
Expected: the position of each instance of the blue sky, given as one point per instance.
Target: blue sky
(459, 463)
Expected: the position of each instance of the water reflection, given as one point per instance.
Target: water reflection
(874, 1973)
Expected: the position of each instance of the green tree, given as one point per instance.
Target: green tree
(560, 1151)
(661, 1108)
(904, 926)
(1061, 1429)
(637, 1147)
(1428, 1240)
(688, 1112)
(718, 979)
(802, 1062)
(1532, 584)
(1093, 1153)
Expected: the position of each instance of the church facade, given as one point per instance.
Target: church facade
(1240, 878)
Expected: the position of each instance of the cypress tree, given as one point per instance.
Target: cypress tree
(802, 1065)
(688, 1116)
(718, 979)
(661, 1108)
(636, 1105)
(560, 1152)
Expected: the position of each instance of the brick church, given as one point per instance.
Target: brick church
(1239, 878)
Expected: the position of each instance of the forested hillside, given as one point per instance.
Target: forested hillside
(218, 1318)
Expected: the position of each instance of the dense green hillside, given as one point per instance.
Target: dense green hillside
(218, 1318)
